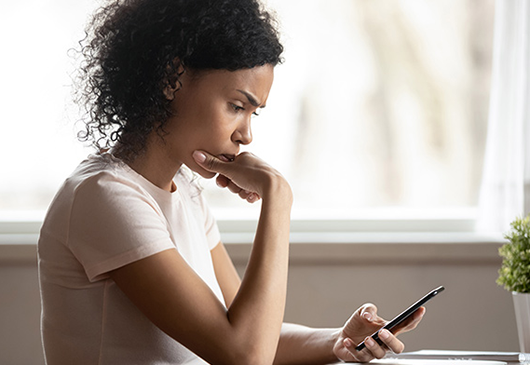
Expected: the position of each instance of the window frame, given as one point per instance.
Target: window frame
(363, 226)
(22, 228)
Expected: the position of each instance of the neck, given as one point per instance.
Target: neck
(154, 164)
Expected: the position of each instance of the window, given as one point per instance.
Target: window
(380, 108)
(37, 143)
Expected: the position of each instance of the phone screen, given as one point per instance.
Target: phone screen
(402, 316)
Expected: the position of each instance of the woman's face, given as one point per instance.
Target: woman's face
(213, 111)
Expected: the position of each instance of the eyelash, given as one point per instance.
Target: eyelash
(238, 108)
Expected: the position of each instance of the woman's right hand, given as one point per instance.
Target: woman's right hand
(246, 175)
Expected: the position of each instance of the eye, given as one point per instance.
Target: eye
(236, 108)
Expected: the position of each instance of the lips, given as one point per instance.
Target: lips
(226, 158)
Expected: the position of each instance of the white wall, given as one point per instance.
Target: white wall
(19, 314)
(327, 282)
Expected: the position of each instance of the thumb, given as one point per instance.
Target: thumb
(208, 162)
(368, 312)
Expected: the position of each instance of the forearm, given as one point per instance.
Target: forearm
(306, 346)
(257, 311)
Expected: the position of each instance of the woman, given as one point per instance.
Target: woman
(132, 269)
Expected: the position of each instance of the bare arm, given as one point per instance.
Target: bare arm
(309, 346)
(297, 344)
(306, 346)
(175, 299)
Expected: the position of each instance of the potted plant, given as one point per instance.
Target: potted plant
(514, 275)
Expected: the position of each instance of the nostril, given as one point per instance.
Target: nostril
(242, 135)
(244, 140)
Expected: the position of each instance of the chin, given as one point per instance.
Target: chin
(206, 174)
(202, 172)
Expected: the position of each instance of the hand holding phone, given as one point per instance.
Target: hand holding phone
(404, 315)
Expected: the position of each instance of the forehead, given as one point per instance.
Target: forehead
(257, 81)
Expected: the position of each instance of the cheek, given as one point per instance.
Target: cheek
(209, 127)
(221, 126)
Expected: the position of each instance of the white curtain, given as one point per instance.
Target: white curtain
(505, 190)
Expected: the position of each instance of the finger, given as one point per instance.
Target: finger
(243, 194)
(364, 357)
(209, 162)
(354, 355)
(345, 350)
(222, 181)
(368, 312)
(234, 188)
(249, 196)
(253, 197)
(391, 341)
(411, 322)
(374, 348)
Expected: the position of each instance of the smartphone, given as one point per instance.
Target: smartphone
(404, 315)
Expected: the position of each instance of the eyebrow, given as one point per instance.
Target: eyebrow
(251, 99)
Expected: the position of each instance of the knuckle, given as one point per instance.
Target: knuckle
(234, 188)
(368, 307)
(365, 357)
(211, 163)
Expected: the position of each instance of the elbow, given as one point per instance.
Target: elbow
(251, 355)
(251, 359)
(248, 347)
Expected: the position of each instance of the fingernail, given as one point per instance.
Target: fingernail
(369, 342)
(368, 316)
(199, 156)
(384, 334)
(347, 342)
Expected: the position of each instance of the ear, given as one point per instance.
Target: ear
(173, 82)
(170, 90)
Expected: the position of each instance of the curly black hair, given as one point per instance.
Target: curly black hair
(134, 49)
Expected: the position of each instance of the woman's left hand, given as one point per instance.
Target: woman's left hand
(361, 325)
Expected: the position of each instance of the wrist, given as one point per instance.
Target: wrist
(335, 336)
(278, 188)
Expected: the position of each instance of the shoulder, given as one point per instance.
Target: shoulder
(103, 172)
(99, 180)
(99, 191)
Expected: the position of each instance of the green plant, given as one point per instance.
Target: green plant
(514, 273)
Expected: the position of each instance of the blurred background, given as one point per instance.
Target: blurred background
(377, 118)
(379, 105)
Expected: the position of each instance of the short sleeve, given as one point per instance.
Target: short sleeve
(113, 223)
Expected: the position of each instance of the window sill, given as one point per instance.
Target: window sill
(332, 247)
(360, 239)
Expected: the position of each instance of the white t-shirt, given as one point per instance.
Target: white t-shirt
(106, 216)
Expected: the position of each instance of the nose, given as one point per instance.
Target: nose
(243, 134)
